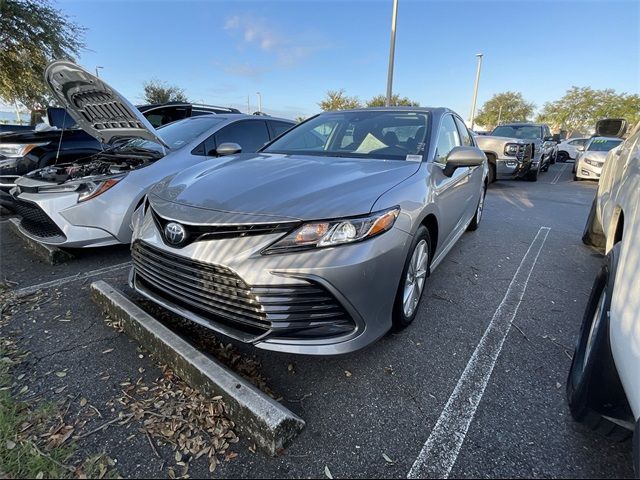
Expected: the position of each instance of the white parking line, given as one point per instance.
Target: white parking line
(440, 452)
(62, 281)
(555, 180)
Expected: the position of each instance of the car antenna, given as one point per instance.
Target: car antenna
(64, 120)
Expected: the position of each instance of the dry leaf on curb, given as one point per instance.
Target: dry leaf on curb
(109, 350)
(327, 472)
(387, 459)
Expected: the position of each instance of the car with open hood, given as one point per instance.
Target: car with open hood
(321, 241)
(89, 202)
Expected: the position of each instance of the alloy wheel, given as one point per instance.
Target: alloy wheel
(415, 279)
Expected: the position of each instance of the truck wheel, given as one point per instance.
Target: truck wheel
(591, 371)
(491, 177)
(533, 176)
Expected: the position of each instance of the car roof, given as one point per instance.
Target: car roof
(394, 109)
(521, 124)
(607, 138)
(240, 116)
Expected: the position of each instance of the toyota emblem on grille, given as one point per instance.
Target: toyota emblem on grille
(175, 233)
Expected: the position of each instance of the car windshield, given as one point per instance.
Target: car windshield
(528, 132)
(177, 134)
(603, 145)
(378, 134)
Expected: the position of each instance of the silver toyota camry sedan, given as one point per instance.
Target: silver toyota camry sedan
(89, 203)
(322, 241)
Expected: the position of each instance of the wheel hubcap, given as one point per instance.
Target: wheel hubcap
(597, 316)
(416, 276)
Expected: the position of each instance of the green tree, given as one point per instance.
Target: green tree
(396, 101)
(504, 107)
(156, 91)
(337, 100)
(32, 34)
(581, 107)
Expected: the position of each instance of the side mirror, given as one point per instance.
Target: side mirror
(228, 148)
(460, 157)
(548, 138)
(556, 138)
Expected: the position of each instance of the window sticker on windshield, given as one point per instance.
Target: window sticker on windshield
(599, 140)
(414, 158)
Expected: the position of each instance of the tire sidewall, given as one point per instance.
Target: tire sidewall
(400, 320)
(582, 382)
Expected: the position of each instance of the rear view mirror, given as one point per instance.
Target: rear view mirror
(228, 148)
(463, 157)
(611, 127)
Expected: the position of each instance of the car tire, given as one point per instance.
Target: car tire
(477, 217)
(553, 158)
(533, 176)
(592, 364)
(563, 157)
(401, 318)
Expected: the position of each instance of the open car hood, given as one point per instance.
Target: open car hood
(96, 107)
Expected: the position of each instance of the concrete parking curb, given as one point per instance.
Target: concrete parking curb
(271, 425)
(51, 255)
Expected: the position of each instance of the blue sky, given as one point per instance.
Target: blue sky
(294, 51)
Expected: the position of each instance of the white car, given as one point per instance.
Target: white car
(603, 387)
(568, 149)
(591, 157)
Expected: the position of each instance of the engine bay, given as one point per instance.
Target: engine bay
(101, 164)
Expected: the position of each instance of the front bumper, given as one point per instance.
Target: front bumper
(587, 171)
(43, 220)
(518, 166)
(360, 279)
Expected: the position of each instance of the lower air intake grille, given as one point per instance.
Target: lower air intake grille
(216, 293)
(35, 221)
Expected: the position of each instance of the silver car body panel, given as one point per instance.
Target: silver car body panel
(96, 107)
(265, 188)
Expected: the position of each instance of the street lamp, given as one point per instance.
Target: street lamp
(98, 68)
(475, 90)
(392, 49)
(259, 101)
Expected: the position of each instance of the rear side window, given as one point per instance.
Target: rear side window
(465, 136)
(448, 138)
(249, 134)
(278, 128)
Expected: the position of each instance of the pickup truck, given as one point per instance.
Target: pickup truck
(508, 157)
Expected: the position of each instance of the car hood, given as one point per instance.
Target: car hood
(96, 107)
(504, 139)
(285, 186)
(597, 156)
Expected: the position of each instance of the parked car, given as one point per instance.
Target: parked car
(591, 157)
(603, 388)
(320, 242)
(25, 151)
(89, 202)
(539, 134)
(508, 157)
(568, 149)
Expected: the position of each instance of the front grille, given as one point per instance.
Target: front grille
(296, 311)
(35, 221)
(197, 233)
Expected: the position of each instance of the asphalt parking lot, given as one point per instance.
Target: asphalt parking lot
(473, 388)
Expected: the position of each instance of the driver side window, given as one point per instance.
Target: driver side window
(448, 138)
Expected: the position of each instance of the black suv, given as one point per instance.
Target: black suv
(24, 151)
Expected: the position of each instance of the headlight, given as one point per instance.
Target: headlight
(336, 232)
(18, 149)
(593, 163)
(86, 189)
(511, 149)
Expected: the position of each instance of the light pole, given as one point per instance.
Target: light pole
(248, 106)
(392, 50)
(259, 101)
(475, 90)
(98, 68)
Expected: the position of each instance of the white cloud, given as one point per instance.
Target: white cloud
(258, 32)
